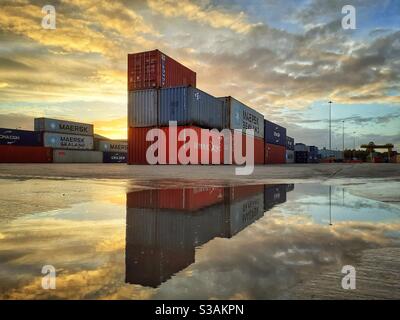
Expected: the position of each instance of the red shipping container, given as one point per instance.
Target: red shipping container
(20, 154)
(274, 154)
(138, 146)
(241, 192)
(188, 199)
(258, 149)
(154, 69)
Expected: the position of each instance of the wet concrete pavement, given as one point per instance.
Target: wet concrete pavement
(283, 233)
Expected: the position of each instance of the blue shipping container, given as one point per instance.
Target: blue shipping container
(190, 106)
(274, 195)
(274, 134)
(115, 157)
(289, 143)
(20, 137)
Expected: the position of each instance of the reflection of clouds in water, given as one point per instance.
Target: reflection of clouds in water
(86, 244)
(273, 255)
(85, 253)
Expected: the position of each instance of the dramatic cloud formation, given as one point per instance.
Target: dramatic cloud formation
(286, 60)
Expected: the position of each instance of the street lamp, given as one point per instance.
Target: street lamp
(343, 138)
(330, 128)
(354, 137)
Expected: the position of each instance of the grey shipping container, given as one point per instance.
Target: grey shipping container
(67, 141)
(112, 145)
(143, 108)
(242, 117)
(300, 147)
(61, 126)
(77, 156)
(274, 133)
(190, 106)
(289, 143)
(243, 213)
(289, 156)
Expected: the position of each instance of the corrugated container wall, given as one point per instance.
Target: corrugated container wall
(274, 133)
(274, 154)
(190, 106)
(112, 146)
(258, 149)
(23, 154)
(289, 143)
(242, 117)
(77, 156)
(20, 137)
(67, 141)
(189, 199)
(115, 157)
(143, 108)
(154, 69)
(138, 146)
(61, 126)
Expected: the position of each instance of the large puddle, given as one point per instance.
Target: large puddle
(253, 242)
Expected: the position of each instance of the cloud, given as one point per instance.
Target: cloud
(215, 17)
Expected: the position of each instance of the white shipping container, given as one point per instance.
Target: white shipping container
(77, 156)
(112, 146)
(67, 141)
(61, 126)
(289, 156)
(242, 117)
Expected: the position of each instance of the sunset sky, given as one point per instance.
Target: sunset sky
(286, 59)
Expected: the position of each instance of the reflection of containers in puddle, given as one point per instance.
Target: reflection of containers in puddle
(161, 242)
(165, 226)
(243, 206)
(274, 194)
(179, 199)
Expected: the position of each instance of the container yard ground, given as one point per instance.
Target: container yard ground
(227, 173)
(349, 175)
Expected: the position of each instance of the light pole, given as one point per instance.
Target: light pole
(354, 136)
(343, 138)
(330, 128)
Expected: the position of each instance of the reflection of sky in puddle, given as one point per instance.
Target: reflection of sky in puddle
(231, 242)
(314, 200)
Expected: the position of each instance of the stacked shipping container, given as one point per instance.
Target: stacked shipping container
(21, 146)
(164, 227)
(275, 143)
(289, 149)
(114, 151)
(155, 101)
(72, 142)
